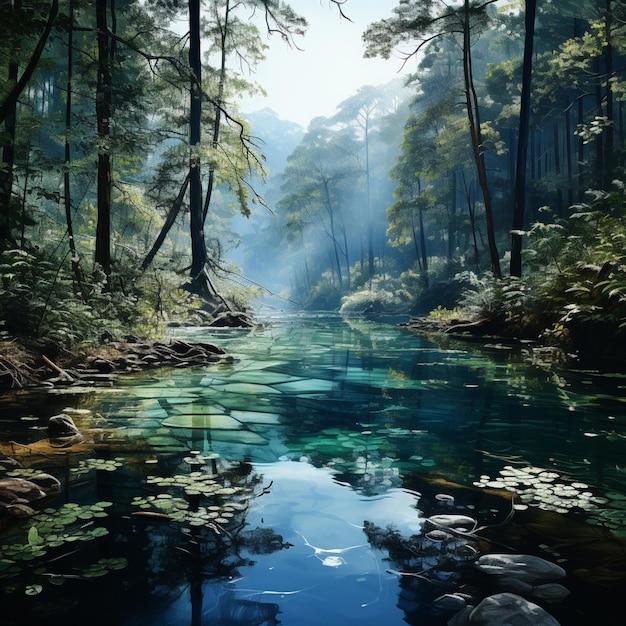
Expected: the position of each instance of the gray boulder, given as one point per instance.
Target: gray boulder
(62, 426)
(512, 610)
(522, 566)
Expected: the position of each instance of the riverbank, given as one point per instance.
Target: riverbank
(22, 367)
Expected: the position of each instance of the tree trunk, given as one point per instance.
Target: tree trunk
(167, 225)
(473, 116)
(8, 151)
(198, 243)
(103, 116)
(217, 109)
(519, 199)
(67, 190)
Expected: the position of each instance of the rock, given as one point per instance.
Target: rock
(509, 608)
(103, 366)
(450, 601)
(523, 566)
(550, 591)
(462, 617)
(19, 510)
(457, 522)
(7, 463)
(47, 482)
(19, 490)
(510, 583)
(61, 426)
(232, 319)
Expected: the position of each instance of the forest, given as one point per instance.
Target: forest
(487, 187)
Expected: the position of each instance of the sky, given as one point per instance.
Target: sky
(303, 84)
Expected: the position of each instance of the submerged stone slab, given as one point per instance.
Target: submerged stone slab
(523, 566)
(509, 608)
(214, 421)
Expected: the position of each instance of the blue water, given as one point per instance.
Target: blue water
(345, 424)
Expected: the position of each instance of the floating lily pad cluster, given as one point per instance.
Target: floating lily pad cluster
(34, 551)
(550, 491)
(105, 465)
(181, 504)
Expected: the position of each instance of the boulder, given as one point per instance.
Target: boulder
(62, 426)
(232, 319)
(7, 463)
(19, 490)
(511, 609)
(522, 566)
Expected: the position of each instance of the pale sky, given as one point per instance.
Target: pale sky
(303, 84)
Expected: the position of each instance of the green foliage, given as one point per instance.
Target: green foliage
(486, 297)
(32, 556)
(41, 301)
(383, 294)
(583, 264)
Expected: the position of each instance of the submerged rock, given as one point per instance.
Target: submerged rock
(509, 608)
(550, 591)
(61, 426)
(522, 566)
(456, 522)
(18, 494)
(450, 601)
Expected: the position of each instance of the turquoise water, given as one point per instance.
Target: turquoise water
(319, 451)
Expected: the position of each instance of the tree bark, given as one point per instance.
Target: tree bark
(473, 116)
(103, 116)
(519, 199)
(198, 243)
(67, 189)
(169, 222)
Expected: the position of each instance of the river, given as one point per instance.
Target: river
(301, 483)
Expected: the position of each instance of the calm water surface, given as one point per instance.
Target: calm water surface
(333, 441)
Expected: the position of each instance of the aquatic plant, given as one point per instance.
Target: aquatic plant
(32, 553)
(180, 496)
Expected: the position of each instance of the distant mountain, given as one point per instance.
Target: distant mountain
(279, 138)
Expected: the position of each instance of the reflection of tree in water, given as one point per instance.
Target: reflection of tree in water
(193, 528)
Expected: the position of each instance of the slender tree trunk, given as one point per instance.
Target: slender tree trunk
(570, 159)
(331, 217)
(370, 224)
(103, 116)
(8, 150)
(473, 115)
(11, 99)
(610, 113)
(167, 225)
(519, 199)
(451, 216)
(67, 189)
(218, 108)
(198, 244)
(557, 167)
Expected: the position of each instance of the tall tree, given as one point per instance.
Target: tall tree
(21, 23)
(519, 199)
(426, 21)
(103, 118)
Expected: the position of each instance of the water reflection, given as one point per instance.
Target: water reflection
(356, 425)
